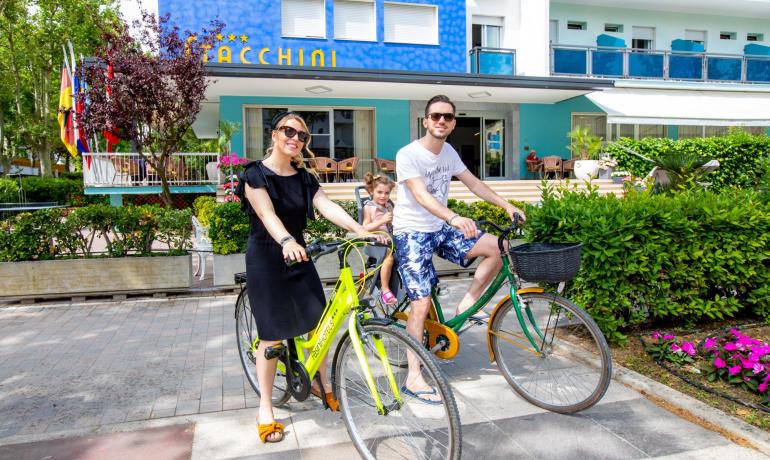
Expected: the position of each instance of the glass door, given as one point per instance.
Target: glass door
(493, 148)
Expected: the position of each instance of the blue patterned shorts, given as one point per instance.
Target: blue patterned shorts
(414, 252)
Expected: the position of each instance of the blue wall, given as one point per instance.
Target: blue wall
(260, 22)
(391, 117)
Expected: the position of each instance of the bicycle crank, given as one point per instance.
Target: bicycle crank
(442, 341)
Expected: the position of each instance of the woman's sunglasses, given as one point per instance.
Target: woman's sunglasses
(290, 132)
(435, 116)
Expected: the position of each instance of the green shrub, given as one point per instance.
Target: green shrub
(321, 228)
(9, 191)
(203, 208)
(740, 156)
(229, 229)
(651, 258)
(131, 230)
(481, 210)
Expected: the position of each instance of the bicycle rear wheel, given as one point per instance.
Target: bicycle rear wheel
(248, 341)
(413, 430)
(573, 369)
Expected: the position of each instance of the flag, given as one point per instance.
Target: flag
(109, 134)
(78, 95)
(66, 129)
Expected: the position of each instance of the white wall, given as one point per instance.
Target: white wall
(525, 29)
(668, 26)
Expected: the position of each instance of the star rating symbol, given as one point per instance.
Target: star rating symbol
(244, 38)
(220, 37)
(231, 37)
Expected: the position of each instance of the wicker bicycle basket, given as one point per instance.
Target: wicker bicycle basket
(546, 262)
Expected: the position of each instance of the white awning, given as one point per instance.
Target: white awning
(636, 106)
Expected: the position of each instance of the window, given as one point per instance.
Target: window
(697, 36)
(337, 132)
(595, 122)
(576, 25)
(618, 28)
(727, 35)
(616, 131)
(354, 20)
(755, 37)
(303, 18)
(643, 38)
(411, 23)
(487, 31)
(689, 132)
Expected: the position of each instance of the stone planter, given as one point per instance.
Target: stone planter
(86, 276)
(605, 173)
(227, 266)
(586, 169)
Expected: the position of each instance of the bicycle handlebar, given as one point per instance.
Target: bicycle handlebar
(504, 232)
(320, 248)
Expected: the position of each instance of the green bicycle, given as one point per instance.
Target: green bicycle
(381, 419)
(549, 350)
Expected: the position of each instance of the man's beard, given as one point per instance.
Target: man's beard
(441, 138)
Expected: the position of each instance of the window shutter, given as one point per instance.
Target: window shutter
(409, 23)
(303, 18)
(354, 20)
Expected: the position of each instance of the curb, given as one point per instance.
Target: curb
(701, 413)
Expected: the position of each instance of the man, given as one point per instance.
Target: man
(422, 225)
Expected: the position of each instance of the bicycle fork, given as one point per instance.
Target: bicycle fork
(354, 326)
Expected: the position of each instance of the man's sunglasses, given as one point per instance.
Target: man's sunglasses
(290, 132)
(435, 116)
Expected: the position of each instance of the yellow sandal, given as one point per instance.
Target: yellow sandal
(331, 403)
(269, 428)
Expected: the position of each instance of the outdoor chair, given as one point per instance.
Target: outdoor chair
(552, 164)
(387, 167)
(325, 166)
(202, 246)
(567, 168)
(347, 168)
(533, 168)
(122, 170)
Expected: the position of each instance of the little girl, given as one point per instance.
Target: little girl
(378, 215)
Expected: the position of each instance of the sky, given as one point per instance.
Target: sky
(130, 8)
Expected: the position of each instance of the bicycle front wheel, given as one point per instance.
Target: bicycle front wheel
(412, 429)
(248, 341)
(572, 370)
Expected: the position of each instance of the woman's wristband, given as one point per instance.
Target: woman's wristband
(449, 222)
(285, 240)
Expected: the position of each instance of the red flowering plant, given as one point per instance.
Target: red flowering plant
(666, 347)
(740, 360)
(231, 165)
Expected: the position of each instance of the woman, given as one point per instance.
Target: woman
(285, 301)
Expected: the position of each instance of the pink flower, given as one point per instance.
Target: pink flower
(655, 335)
(710, 343)
(688, 348)
(730, 346)
(719, 363)
(762, 387)
(668, 337)
(675, 348)
(734, 370)
(758, 368)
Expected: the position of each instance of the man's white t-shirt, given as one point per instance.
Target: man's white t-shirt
(436, 172)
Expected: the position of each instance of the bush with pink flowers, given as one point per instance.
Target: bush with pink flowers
(231, 165)
(667, 347)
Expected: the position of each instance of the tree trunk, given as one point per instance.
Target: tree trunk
(165, 191)
(46, 166)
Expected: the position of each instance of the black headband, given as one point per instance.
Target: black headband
(278, 117)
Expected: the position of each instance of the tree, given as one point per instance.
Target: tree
(31, 35)
(158, 83)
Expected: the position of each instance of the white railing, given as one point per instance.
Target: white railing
(130, 170)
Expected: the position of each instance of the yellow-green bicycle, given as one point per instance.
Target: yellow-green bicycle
(383, 417)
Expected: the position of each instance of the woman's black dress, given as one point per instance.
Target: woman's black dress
(286, 301)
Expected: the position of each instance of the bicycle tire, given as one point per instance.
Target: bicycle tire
(574, 371)
(393, 435)
(246, 334)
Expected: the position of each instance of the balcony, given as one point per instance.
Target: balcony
(186, 172)
(658, 64)
(493, 61)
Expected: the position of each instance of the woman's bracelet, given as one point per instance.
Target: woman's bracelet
(449, 222)
(285, 240)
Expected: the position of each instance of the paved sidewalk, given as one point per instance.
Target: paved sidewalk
(69, 370)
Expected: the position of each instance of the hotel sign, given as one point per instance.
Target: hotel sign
(234, 48)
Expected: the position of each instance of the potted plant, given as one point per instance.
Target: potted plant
(618, 177)
(607, 165)
(586, 148)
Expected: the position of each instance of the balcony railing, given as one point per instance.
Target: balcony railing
(658, 64)
(130, 170)
(493, 61)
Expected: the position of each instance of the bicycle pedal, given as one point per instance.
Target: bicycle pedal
(274, 351)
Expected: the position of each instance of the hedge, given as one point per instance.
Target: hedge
(653, 258)
(740, 156)
(131, 230)
(9, 190)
